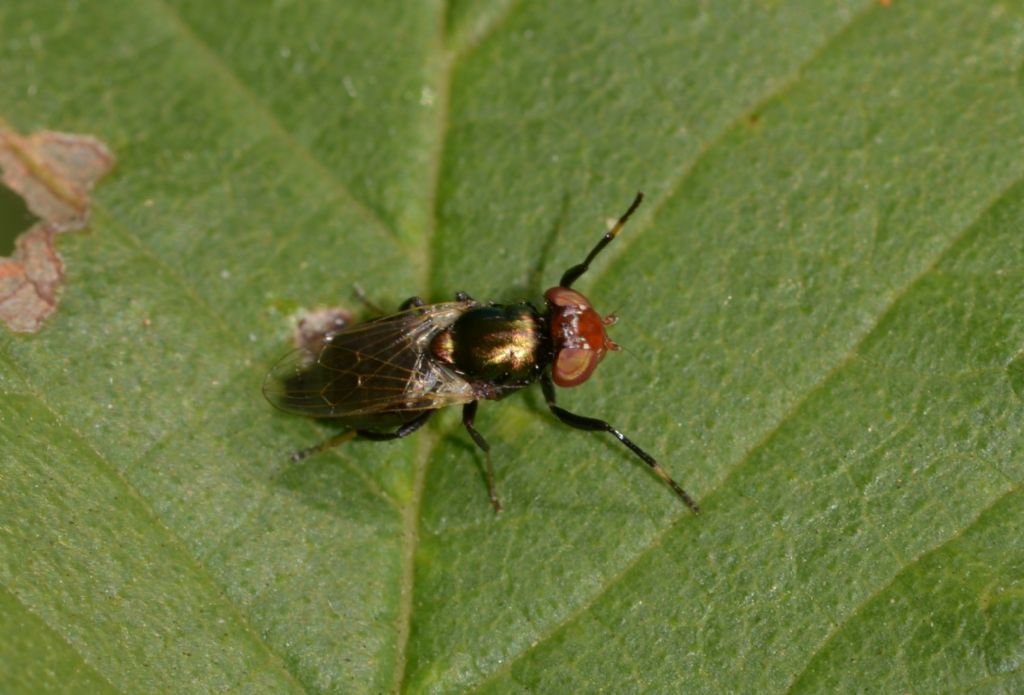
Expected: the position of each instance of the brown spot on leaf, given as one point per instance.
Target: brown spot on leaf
(29, 280)
(53, 173)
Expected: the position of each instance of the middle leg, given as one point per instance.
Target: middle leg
(468, 415)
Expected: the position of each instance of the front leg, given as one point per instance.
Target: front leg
(593, 424)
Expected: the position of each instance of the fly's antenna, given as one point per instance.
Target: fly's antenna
(629, 351)
(573, 274)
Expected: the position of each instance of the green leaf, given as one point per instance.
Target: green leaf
(821, 302)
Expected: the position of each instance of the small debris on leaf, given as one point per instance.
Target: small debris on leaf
(314, 328)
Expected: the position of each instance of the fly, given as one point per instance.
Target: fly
(383, 379)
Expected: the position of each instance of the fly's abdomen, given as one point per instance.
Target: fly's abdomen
(374, 368)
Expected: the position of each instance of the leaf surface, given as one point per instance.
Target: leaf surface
(820, 302)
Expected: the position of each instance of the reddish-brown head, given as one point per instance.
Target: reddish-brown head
(578, 335)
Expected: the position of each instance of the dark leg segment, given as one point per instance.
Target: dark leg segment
(403, 431)
(468, 415)
(588, 423)
(462, 297)
(410, 303)
(573, 274)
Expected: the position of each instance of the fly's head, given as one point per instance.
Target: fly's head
(578, 335)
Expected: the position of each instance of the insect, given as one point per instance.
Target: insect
(383, 379)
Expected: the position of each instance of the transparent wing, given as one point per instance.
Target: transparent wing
(379, 366)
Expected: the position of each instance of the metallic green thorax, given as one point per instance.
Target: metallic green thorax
(505, 345)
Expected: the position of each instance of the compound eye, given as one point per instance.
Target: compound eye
(573, 366)
(563, 296)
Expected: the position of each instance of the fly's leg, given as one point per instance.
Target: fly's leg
(409, 303)
(323, 446)
(573, 274)
(468, 415)
(369, 303)
(588, 423)
(463, 297)
(403, 431)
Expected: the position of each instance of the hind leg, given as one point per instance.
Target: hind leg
(331, 442)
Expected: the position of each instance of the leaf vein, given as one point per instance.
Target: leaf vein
(158, 523)
(300, 149)
(620, 249)
(938, 547)
(63, 638)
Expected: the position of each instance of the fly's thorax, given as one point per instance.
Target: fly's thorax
(502, 344)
